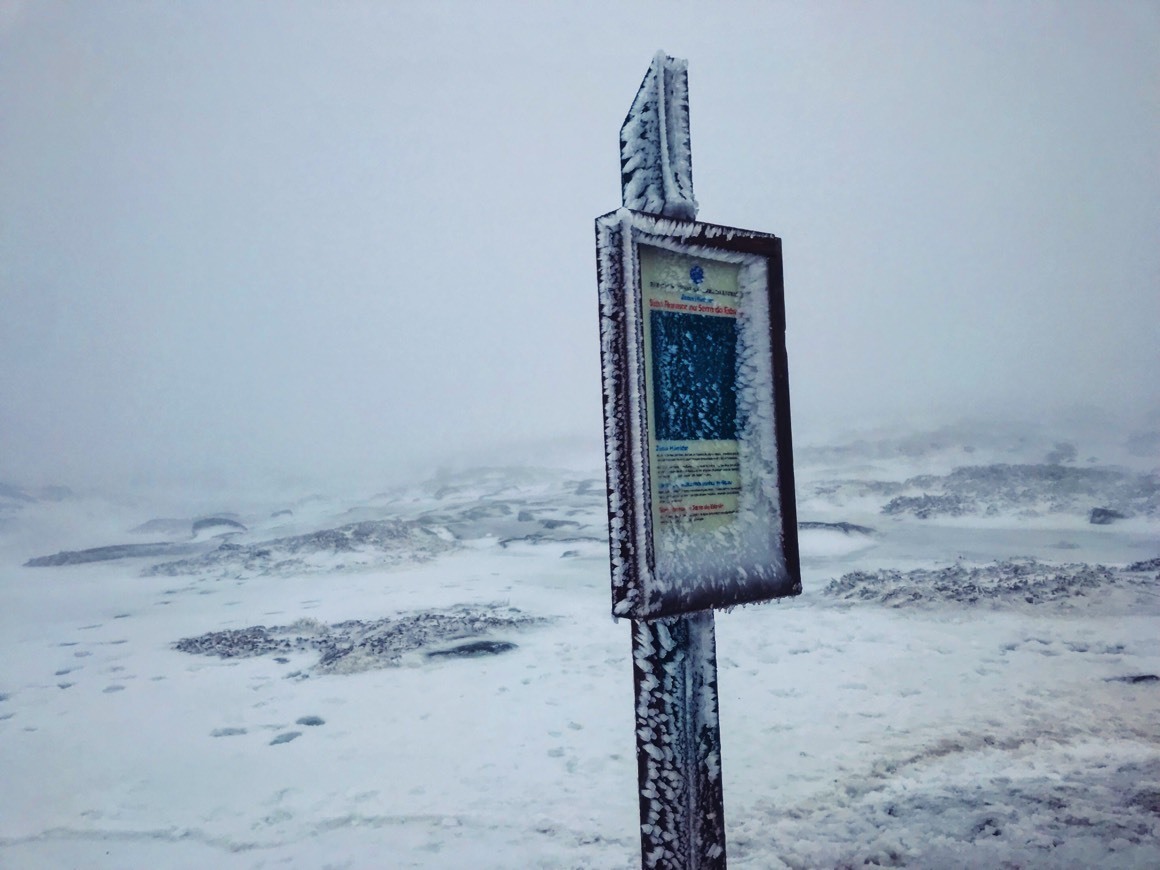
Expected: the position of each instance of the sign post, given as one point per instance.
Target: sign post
(697, 453)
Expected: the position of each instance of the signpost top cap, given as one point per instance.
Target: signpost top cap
(656, 162)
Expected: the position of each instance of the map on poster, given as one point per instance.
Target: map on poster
(690, 340)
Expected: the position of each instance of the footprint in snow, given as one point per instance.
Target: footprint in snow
(286, 738)
(312, 721)
(227, 732)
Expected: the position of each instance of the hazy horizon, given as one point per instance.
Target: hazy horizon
(318, 241)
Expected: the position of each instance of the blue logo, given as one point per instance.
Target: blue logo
(697, 274)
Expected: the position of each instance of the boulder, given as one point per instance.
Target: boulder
(1101, 516)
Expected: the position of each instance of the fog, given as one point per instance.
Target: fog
(340, 243)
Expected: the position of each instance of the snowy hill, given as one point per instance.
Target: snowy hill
(429, 677)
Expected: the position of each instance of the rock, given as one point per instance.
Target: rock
(1104, 516)
(1030, 490)
(843, 527)
(107, 554)
(162, 526)
(357, 645)
(999, 584)
(473, 649)
(926, 505)
(1063, 451)
(559, 524)
(488, 510)
(1133, 679)
(383, 542)
(222, 523)
(1147, 800)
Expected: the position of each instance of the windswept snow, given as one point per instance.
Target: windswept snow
(973, 691)
(357, 545)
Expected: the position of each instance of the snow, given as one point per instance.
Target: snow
(854, 728)
(656, 163)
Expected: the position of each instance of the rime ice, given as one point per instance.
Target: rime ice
(656, 162)
(698, 452)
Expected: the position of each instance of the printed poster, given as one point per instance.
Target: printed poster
(690, 340)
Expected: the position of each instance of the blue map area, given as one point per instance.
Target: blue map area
(694, 366)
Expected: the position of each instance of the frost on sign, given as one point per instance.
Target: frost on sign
(690, 356)
(696, 412)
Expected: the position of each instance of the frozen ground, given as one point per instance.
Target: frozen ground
(429, 677)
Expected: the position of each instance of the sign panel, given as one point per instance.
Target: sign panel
(690, 353)
(700, 474)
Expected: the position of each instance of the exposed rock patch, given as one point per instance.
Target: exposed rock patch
(108, 554)
(998, 584)
(168, 526)
(1028, 490)
(1134, 679)
(217, 525)
(358, 645)
(843, 527)
(371, 543)
(473, 649)
(1104, 516)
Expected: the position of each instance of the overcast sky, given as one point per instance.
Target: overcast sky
(333, 240)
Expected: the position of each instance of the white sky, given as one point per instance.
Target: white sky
(331, 240)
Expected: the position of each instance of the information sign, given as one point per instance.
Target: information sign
(696, 412)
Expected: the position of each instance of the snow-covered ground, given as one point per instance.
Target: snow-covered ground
(146, 720)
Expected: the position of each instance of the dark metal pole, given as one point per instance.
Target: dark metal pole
(678, 743)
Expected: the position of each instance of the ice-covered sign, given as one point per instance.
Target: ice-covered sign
(696, 411)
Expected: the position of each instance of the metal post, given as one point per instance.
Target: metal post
(678, 743)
